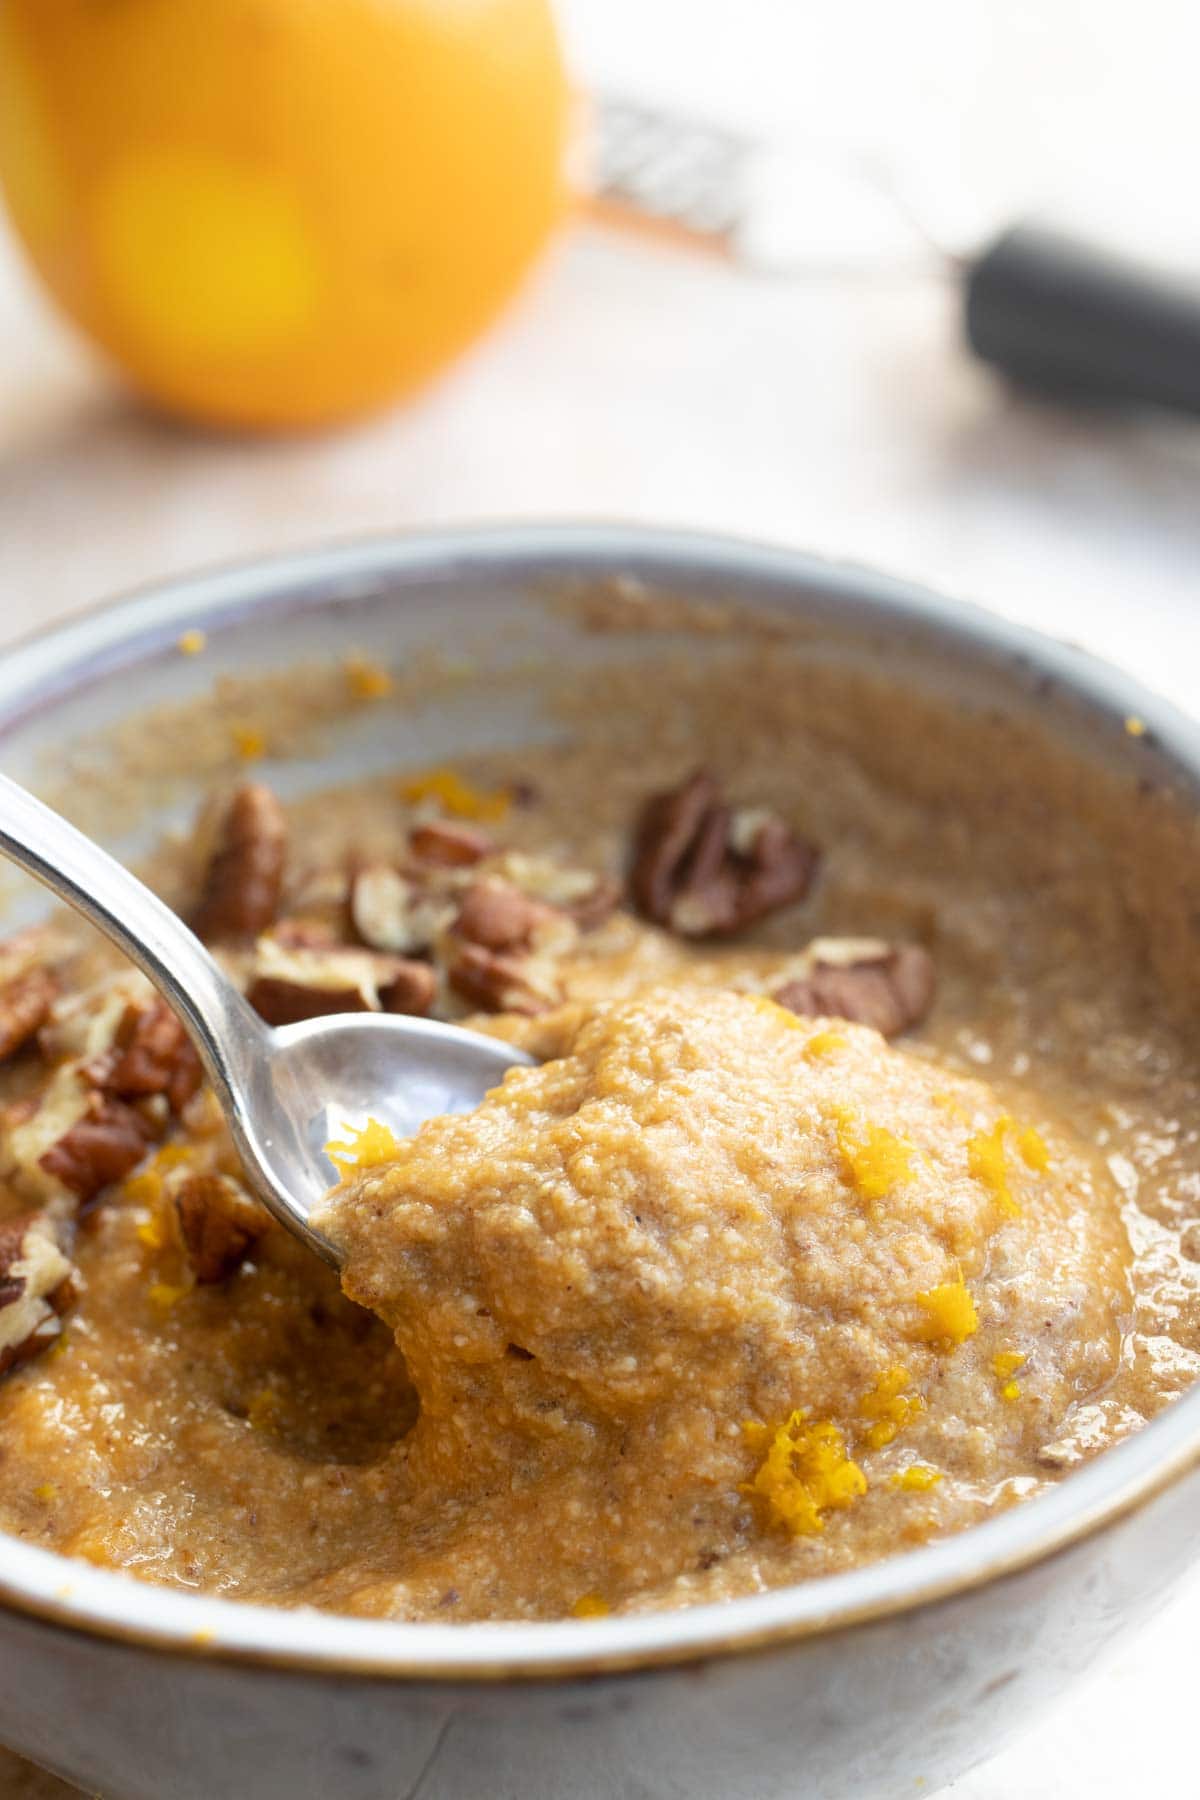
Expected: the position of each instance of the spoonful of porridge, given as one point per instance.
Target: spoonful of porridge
(285, 1089)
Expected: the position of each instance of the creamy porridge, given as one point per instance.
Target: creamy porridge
(855, 1196)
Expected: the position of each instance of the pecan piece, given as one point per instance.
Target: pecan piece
(706, 869)
(411, 988)
(151, 1053)
(245, 877)
(888, 986)
(598, 904)
(501, 945)
(290, 985)
(305, 934)
(25, 1004)
(36, 1287)
(390, 912)
(500, 917)
(585, 897)
(82, 1024)
(100, 1147)
(220, 1223)
(448, 844)
(496, 982)
(12, 1231)
(34, 947)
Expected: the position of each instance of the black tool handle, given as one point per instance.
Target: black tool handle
(1068, 317)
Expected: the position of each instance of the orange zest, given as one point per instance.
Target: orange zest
(875, 1159)
(951, 1315)
(805, 1472)
(888, 1408)
(364, 1147)
(455, 796)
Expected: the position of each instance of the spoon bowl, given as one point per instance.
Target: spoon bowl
(307, 1083)
(286, 1091)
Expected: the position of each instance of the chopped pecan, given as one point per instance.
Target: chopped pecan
(707, 869)
(12, 1231)
(501, 946)
(25, 1004)
(245, 876)
(16, 1113)
(305, 934)
(36, 946)
(220, 1223)
(36, 1286)
(583, 896)
(598, 903)
(448, 844)
(888, 986)
(389, 912)
(82, 1024)
(496, 982)
(663, 840)
(101, 1146)
(499, 916)
(151, 1053)
(411, 989)
(315, 890)
(290, 985)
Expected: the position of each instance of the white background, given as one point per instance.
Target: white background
(834, 410)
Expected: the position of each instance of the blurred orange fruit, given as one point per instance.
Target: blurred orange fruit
(274, 213)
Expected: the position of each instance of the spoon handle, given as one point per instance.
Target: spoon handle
(138, 923)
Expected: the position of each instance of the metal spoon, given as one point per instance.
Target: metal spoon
(285, 1089)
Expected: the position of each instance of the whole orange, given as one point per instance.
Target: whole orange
(274, 213)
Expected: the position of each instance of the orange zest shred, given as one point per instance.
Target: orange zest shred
(805, 1472)
(986, 1165)
(918, 1478)
(249, 743)
(1031, 1148)
(456, 796)
(773, 1010)
(824, 1043)
(152, 1233)
(1005, 1364)
(364, 1147)
(888, 1408)
(875, 1159)
(171, 1156)
(165, 1294)
(591, 1606)
(367, 680)
(951, 1314)
(144, 1188)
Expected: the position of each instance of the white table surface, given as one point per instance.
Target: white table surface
(637, 381)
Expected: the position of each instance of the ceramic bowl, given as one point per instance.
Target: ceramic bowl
(864, 1684)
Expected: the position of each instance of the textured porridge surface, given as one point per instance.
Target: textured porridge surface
(661, 1337)
(705, 1215)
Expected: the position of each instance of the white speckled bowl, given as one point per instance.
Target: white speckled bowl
(865, 1684)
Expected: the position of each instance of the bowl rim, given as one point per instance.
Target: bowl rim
(144, 624)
